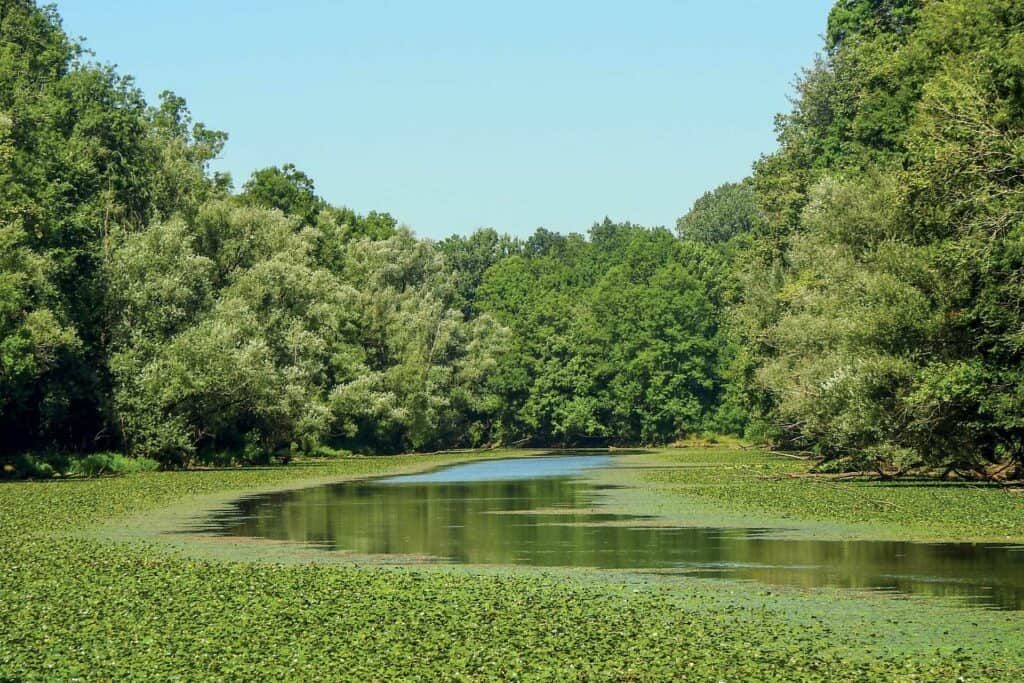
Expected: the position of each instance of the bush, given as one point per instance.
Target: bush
(324, 451)
(33, 466)
(97, 464)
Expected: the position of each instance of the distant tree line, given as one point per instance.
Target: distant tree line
(860, 297)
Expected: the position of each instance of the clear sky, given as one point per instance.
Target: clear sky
(458, 115)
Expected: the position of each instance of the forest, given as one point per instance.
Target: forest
(858, 299)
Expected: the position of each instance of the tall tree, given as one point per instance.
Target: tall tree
(84, 157)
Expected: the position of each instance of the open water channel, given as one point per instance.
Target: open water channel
(542, 512)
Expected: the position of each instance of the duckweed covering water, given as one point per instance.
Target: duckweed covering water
(103, 610)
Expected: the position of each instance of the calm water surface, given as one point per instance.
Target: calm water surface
(537, 511)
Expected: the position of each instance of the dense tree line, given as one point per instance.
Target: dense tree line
(615, 338)
(885, 309)
(146, 308)
(859, 297)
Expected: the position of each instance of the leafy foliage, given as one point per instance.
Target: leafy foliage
(858, 297)
(613, 339)
(144, 308)
(233, 338)
(82, 157)
(889, 335)
(722, 214)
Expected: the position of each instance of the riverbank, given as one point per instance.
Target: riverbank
(97, 608)
(743, 488)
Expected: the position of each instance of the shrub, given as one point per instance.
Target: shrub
(324, 451)
(33, 465)
(97, 464)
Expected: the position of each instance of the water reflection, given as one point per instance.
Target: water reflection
(535, 512)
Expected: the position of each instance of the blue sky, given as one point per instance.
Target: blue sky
(458, 115)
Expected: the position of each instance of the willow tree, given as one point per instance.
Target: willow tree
(884, 301)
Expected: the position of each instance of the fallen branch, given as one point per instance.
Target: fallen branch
(790, 455)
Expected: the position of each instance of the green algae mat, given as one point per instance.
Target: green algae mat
(88, 594)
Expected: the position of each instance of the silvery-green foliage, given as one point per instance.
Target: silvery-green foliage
(225, 326)
(424, 362)
(230, 336)
(853, 312)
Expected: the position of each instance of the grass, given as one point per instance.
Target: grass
(79, 606)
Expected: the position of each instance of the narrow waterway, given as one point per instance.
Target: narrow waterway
(540, 511)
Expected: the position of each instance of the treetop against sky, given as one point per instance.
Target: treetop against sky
(457, 115)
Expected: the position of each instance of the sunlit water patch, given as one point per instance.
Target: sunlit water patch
(538, 511)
